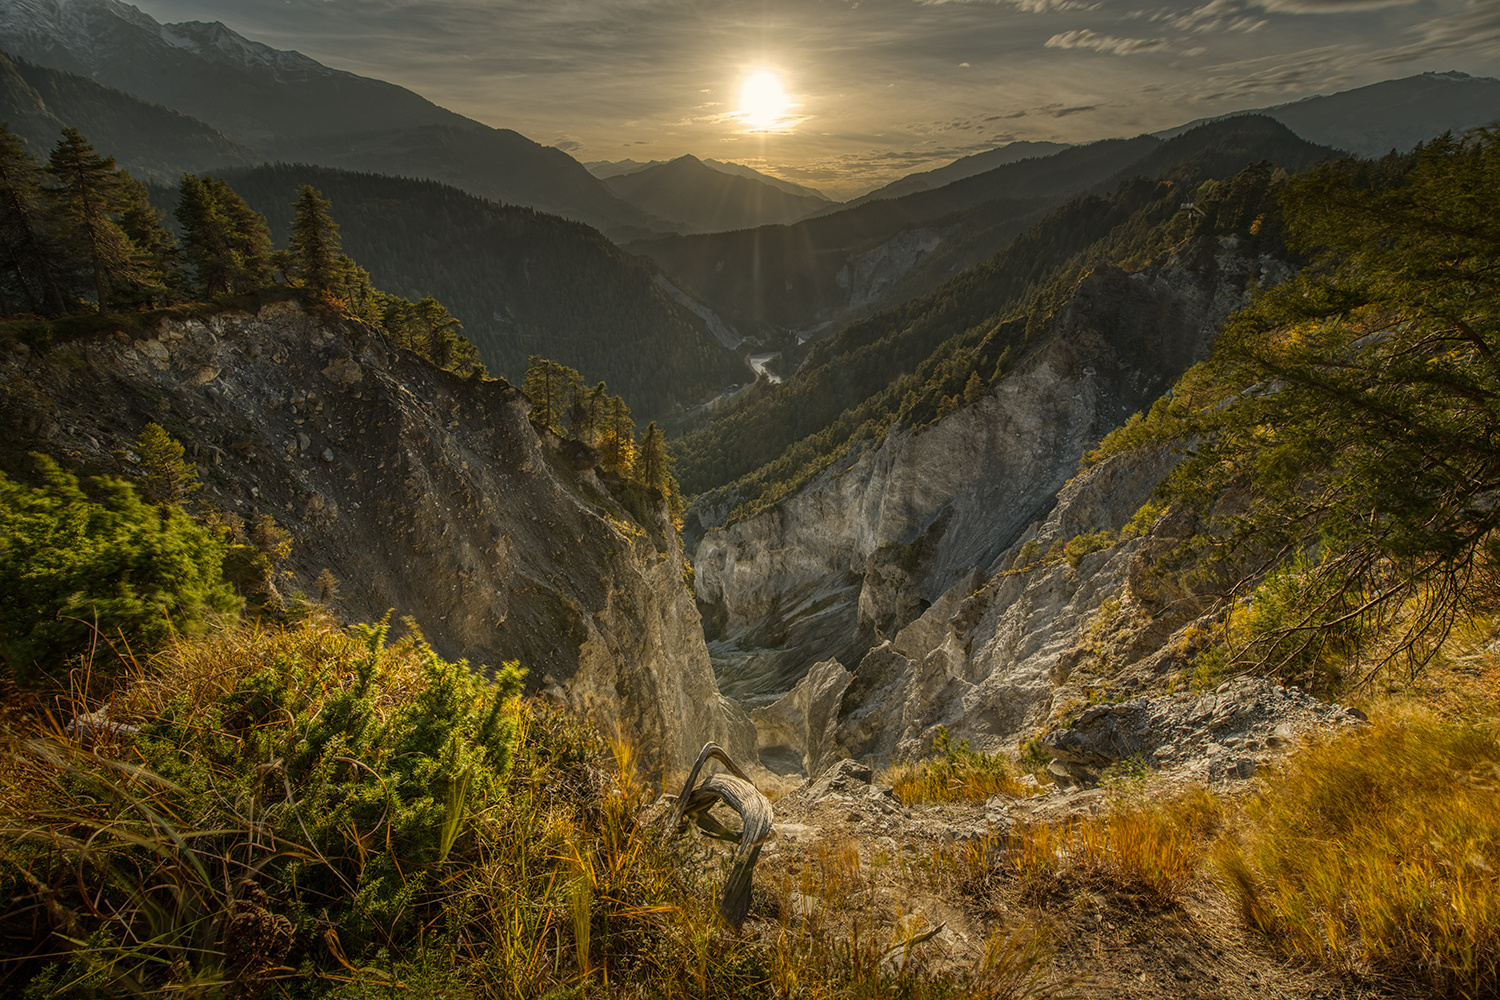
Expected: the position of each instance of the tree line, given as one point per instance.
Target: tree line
(79, 235)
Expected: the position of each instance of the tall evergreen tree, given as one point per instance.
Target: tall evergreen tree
(29, 257)
(225, 241)
(157, 260)
(318, 261)
(617, 443)
(550, 387)
(86, 195)
(250, 237)
(205, 236)
(652, 462)
(1353, 411)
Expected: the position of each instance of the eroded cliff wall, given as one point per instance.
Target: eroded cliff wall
(848, 562)
(419, 491)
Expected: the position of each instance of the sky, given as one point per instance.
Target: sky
(850, 94)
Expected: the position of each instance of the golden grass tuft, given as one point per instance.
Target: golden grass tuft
(1380, 849)
(1154, 848)
(955, 773)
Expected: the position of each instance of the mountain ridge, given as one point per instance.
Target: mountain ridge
(700, 198)
(285, 106)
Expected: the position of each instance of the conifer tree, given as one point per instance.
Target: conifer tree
(550, 387)
(157, 269)
(170, 477)
(249, 237)
(317, 257)
(617, 444)
(86, 196)
(29, 257)
(225, 240)
(651, 464)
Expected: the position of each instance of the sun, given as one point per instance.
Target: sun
(763, 101)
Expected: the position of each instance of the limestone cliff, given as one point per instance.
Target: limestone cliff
(849, 561)
(421, 492)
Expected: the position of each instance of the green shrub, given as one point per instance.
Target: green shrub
(1082, 545)
(293, 800)
(135, 572)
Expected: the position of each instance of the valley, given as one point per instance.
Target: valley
(1086, 551)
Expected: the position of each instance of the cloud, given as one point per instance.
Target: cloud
(1216, 15)
(1029, 6)
(1329, 6)
(1083, 38)
(1475, 30)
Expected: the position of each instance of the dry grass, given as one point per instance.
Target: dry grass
(131, 880)
(1380, 850)
(1155, 848)
(955, 773)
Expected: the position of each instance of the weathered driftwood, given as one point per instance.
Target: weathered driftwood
(736, 792)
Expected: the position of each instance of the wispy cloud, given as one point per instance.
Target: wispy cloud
(1083, 38)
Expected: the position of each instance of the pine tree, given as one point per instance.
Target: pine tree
(974, 388)
(206, 237)
(317, 257)
(157, 262)
(550, 388)
(617, 444)
(86, 197)
(1355, 409)
(225, 241)
(29, 257)
(170, 477)
(249, 238)
(651, 464)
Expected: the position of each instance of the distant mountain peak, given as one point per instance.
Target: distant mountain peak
(76, 35)
(216, 39)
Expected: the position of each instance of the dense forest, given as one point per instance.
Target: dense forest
(523, 283)
(154, 143)
(927, 355)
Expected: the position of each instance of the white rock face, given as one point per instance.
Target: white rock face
(861, 552)
(796, 734)
(996, 656)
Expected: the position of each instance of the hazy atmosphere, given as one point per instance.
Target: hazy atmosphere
(852, 93)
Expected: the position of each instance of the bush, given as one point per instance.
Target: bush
(290, 798)
(134, 572)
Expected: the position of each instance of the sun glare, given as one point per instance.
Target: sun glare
(763, 102)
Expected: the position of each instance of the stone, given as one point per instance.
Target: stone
(796, 732)
(845, 776)
(344, 372)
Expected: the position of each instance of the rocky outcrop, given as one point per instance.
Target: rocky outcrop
(796, 733)
(1222, 734)
(419, 491)
(1002, 652)
(840, 568)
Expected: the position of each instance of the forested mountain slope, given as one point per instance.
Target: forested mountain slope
(152, 142)
(701, 199)
(830, 269)
(800, 276)
(521, 282)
